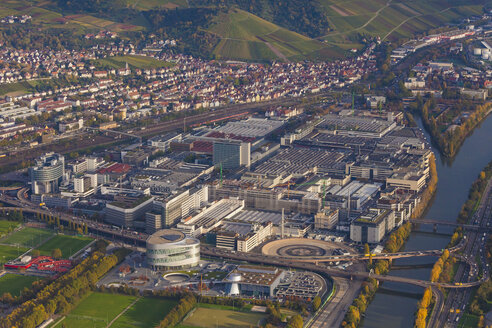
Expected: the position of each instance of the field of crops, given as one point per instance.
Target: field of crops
(245, 36)
(48, 18)
(394, 19)
(151, 4)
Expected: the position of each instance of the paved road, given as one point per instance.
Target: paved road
(139, 238)
(332, 314)
(475, 245)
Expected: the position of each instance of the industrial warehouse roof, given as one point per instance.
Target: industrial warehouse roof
(252, 127)
(254, 275)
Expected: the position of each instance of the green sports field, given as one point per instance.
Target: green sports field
(146, 312)
(210, 318)
(15, 283)
(8, 253)
(7, 226)
(28, 237)
(99, 309)
(69, 245)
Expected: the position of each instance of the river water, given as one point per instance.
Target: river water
(395, 304)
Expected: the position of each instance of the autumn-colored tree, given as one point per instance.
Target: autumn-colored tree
(56, 253)
(316, 303)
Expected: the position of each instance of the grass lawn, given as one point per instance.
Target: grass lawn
(8, 253)
(15, 283)
(97, 310)
(146, 312)
(468, 321)
(210, 318)
(219, 275)
(69, 245)
(28, 237)
(7, 226)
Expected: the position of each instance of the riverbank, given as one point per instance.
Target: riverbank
(449, 140)
(429, 192)
(455, 178)
(395, 242)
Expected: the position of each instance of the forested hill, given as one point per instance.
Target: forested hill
(252, 30)
(303, 16)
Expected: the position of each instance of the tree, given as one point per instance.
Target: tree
(295, 322)
(426, 298)
(56, 253)
(316, 303)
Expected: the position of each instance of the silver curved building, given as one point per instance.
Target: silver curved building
(172, 249)
(47, 174)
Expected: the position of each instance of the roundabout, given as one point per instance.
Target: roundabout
(303, 247)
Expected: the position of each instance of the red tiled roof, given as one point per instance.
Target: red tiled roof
(115, 168)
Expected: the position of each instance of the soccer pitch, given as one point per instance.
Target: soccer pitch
(99, 310)
(68, 245)
(15, 283)
(210, 318)
(28, 237)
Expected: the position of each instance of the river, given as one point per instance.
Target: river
(395, 304)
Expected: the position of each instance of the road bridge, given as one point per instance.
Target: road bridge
(312, 264)
(294, 263)
(121, 133)
(450, 224)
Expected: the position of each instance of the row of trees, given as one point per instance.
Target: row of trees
(25, 294)
(449, 141)
(423, 309)
(395, 242)
(188, 301)
(15, 215)
(440, 267)
(275, 317)
(397, 239)
(60, 296)
(80, 228)
(475, 194)
(185, 305)
(428, 193)
(456, 237)
(480, 304)
(359, 305)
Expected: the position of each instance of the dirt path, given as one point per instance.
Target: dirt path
(122, 312)
(277, 52)
(376, 14)
(339, 11)
(408, 19)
